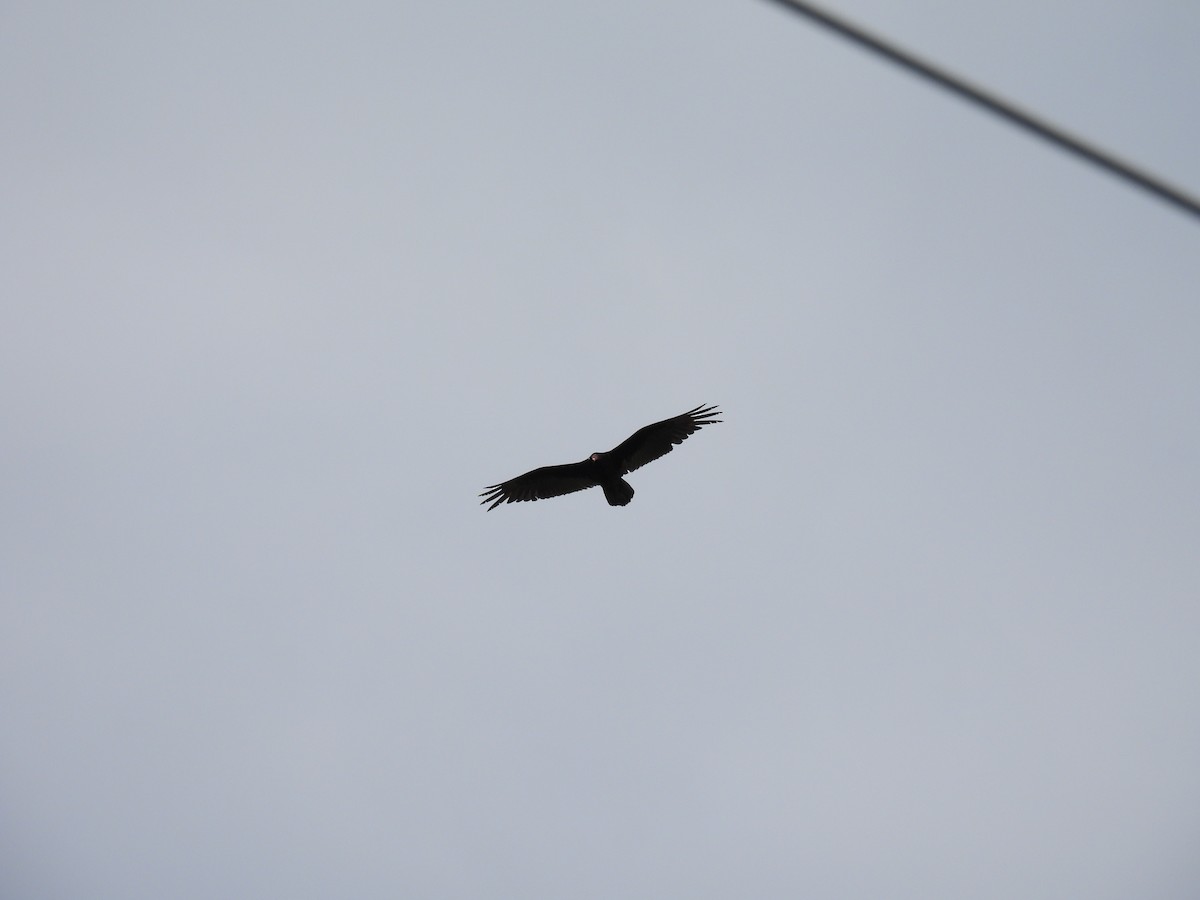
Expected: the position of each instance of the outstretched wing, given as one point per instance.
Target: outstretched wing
(548, 481)
(648, 444)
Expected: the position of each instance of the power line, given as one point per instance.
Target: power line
(1000, 107)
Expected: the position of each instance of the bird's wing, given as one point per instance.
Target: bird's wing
(548, 481)
(648, 444)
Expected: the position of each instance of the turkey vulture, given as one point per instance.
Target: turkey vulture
(604, 469)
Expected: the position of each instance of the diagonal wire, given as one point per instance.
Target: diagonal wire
(1000, 107)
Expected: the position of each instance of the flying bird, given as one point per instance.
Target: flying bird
(605, 469)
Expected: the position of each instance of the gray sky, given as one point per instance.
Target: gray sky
(285, 285)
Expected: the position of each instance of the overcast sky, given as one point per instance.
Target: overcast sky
(285, 285)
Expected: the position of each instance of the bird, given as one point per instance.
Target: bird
(604, 469)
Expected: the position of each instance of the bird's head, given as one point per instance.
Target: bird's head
(596, 457)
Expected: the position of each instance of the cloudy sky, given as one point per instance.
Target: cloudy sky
(286, 284)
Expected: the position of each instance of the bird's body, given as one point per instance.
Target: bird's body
(617, 491)
(604, 469)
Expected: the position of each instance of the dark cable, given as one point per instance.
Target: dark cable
(998, 106)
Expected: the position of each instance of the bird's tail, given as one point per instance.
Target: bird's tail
(617, 493)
